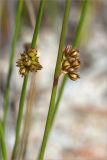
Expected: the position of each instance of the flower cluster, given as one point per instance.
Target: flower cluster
(71, 62)
(28, 62)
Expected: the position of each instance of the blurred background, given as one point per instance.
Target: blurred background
(80, 128)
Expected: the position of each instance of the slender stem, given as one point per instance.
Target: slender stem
(2, 140)
(58, 100)
(13, 46)
(29, 107)
(20, 114)
(28, 118)
(81, 23)
(31, 13)
(38, 22)
(23, 92)
(75, 44)
(55, 82)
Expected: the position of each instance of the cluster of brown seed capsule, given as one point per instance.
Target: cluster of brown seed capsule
(71, 62)
(28, 62)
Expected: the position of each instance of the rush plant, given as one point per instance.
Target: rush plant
(53, 108)
(67, 63)
(26, 67)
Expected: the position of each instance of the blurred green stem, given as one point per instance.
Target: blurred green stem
(75, 44)
(13, 46)
(23, 92)
(2, 142)
(38, 22)
(28, 119)
(56, 78)
(20, 114)
(29, 106)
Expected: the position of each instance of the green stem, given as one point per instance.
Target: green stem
(23, 92)
(75, 44)
(55, 82)
(2, 140)
(81, 23)
(20, 114)
(38, 22)
(13, 46)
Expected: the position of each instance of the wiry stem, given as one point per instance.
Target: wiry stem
(28, 118)
(13, 46)
(28, 113)
(23, 92)
(75, 44)
(2, 142)
(19, 120)
(55, 82)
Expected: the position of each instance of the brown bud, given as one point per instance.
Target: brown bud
(27, 63)
(74, 53)
(76, 64)
(70, 70)
(70, 59)
(23, 71)
(67, 50)
(73, 76)
(65, 65)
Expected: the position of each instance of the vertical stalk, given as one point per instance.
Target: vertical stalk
(20, 114)
(2, 142)
(55, 82)
(38, 22)
(23, 92)
(75, 44)
(29, 106)
(13, 46)
(28, 118)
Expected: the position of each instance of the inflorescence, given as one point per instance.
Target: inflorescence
(71, 62)
(28, 62)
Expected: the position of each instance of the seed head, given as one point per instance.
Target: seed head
(28, 62)
(71, 62)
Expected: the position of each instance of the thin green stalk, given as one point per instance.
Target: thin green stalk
(23, 92)
(20, 114)
(55, 82)
(29, 106)
(12, 53)
(75, 44)
(2, 140)
(28, 119)
(38, 22)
